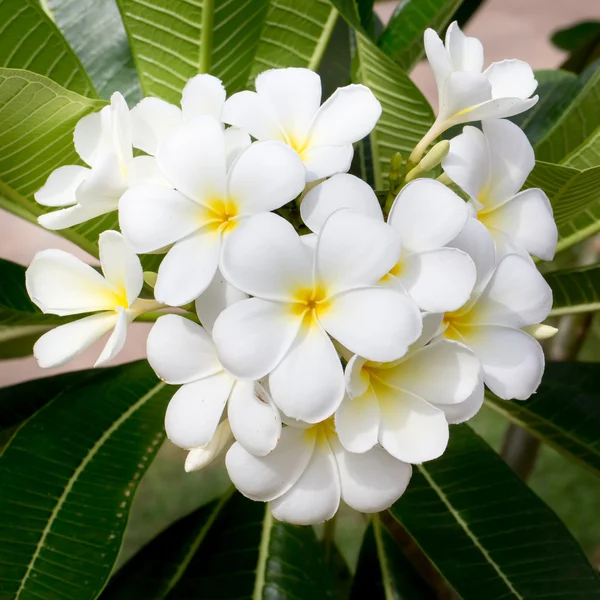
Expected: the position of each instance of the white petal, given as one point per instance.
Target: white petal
(252, 337)
(120, 265)
(511, 79)
(500, 108)
(59, 189)
(153, 217)
(121, 127)
(357, 422)
(74, 215)
(357, 381)
(294, 96)
(181, 351)
(267, 477)
(251, 112)
(93, 135)
(117, 339)
(193, 159)
(463, 411)
(427, 215)
(355, 250)
(254, 419)
(340, 191)
(528, 220)
(188, 268)
(265, 257)
(308, 383)
(324, 161)
(468, 162)
(153, 120)
(104, 185)
(373, 481)
(60, 345)
(517, 295)
(377, 323)
(443, 372)
(411, 429)
(477, 242)
(265, 176)
(466, 53)
(215, 299)
(315, 497)
(511, 161)
(438, 57)
(236, 141)
(195, 410)
(203, 95)
(347, 116)
(198, 458)
(144, 170)
(512, 361)
(439, 280)
(463, 90)
(432, 323)
(60, 284)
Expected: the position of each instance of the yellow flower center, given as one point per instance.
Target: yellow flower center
(310, 303)
(395, 271)
(221, 214)
(320, 432)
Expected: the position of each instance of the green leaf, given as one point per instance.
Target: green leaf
(575, 125)
(587, 154)
(575, 199)
(68, 476)
(30, 40)
(486, 532)
(575, 290)
(38, 119)
(228, 549)
(383, 572)
(95, 31)
(564, 413)
(21, 321)
(295, 34)
(573, 38)
(173, 41)
(402, 39)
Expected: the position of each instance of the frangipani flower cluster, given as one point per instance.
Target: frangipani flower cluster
(327, 358)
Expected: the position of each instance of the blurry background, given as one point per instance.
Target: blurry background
(508, 29)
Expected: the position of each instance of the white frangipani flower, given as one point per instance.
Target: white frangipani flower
(406, 405)
(491, 166)
(309, 471)
(153, 119)
(466, 92)
(103, 141)
(303, 296)
(60, 284)
(287, 107)
(507, 299)
(183, 353)
(208, 203)
(427, 216)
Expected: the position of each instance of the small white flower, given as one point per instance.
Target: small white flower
(406, 405)
(301, 296)
(507, 298)
(287, 107)
(61, 284)
(491, 166)
(103, 141)
(426, 215)
(183, 353)
(208, 203)
(309, 471)
(153, 119)
(468, 94)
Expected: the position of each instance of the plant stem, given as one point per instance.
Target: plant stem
(206, 40)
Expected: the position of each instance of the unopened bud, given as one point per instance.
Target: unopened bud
(435, 156)
(198, 458)
(541, 332)
(150, 278)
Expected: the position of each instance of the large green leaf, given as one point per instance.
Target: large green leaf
(68, 476)
(173, 41)
(574, 125)
(487, 533)
(587, 154)
(575, 290)
(21, 321)
(95, 31)
(30, 40)
(402, 39)
(38, 118)
(575, 198)
(228, 549)
(383, 572)
(564, 413)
